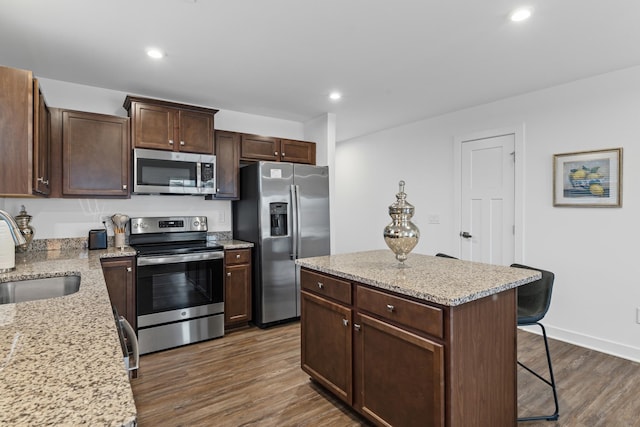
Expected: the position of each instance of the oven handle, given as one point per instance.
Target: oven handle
(175, 259)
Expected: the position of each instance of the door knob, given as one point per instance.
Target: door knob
(465, 234)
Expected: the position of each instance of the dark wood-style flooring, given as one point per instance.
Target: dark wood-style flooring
(252, 377)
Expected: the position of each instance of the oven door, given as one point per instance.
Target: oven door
(173, 288)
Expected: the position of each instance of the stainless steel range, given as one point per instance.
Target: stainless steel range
(180, 282)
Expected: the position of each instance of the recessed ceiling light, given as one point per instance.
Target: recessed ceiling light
(521, 14)
(334, 96)
(155, 53)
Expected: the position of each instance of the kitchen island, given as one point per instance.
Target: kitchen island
(61, 362)
(431, 344)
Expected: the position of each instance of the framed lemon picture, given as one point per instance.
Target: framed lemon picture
(588, 178)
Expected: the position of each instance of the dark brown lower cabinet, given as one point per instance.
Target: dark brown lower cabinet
(400, 361)
(237, 288)
(326, 344)
(399, 375)
(119, 274)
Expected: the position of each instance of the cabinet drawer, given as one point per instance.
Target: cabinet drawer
(339, 290)
(421, 317)
(237, 256)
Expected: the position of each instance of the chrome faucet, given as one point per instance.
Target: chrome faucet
(18, 238)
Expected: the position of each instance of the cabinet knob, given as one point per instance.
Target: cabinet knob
(283, 154)
(237, 256)
(181, 142)
(42, 180)
(124, 186)
(275, 154)
(345, 322)
(390, 308)
(320, 285)
(129, 270)
(229, 274)
(356, 327)
(171, 142)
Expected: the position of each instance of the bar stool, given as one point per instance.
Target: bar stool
(533, 303)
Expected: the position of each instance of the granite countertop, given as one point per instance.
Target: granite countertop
(235, 244)
(439, 280)
(60, 358)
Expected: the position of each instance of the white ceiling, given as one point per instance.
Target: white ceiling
(395, 61)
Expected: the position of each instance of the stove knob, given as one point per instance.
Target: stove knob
(135, 225)
(143, 225)
(196, 223)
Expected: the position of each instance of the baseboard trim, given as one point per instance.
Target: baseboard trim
(598, 344)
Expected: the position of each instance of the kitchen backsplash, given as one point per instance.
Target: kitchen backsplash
(81, 242)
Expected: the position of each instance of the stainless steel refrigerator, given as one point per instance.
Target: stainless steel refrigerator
(284, 210)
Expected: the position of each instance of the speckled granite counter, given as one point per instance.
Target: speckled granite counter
(235, 244)
(60, 358)
(440, 280)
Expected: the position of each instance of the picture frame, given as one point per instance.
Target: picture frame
(588, 178)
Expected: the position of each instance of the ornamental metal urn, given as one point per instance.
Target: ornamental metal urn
(27, 230)
(401, 235)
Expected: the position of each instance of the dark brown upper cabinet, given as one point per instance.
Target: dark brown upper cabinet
(41, 179)
(257, 148)
(170, 126)
(298, 151)
(24, 135)
(95, 155)
(228, 165)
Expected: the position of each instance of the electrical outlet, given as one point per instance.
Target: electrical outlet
(433, 219)
(108, 225)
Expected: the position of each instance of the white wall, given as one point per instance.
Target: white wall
(60, 218)
(322, 130)
(73, 96)
(592, 251)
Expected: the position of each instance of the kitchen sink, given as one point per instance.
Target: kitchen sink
(35, 289)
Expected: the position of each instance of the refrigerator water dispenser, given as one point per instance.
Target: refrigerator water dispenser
(278, 218)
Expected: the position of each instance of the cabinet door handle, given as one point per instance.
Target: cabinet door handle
(356, 327)
(129, 269)
(229, 274)
(181, 142)
(171, 142)
(320, 285)
(124, 186)
(345, 322)
(390, 308)
(43, 181)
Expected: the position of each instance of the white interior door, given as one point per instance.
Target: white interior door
(487, 229)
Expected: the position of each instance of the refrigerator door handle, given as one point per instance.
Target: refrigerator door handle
(295, 213)
(298, 236)
(294, 218)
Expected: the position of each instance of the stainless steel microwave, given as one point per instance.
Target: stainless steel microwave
(168, 172)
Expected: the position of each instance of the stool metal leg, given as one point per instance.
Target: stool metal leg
(551, 383)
